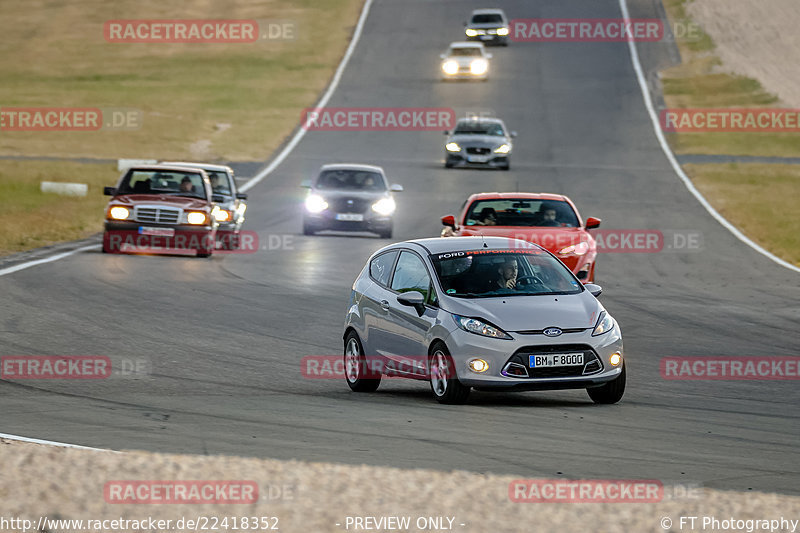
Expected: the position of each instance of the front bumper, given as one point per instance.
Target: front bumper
(174, 238)
(461, 159)
(488, 38)
(498, 353)
(327, 220)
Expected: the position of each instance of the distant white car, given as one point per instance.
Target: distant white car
(465, 60)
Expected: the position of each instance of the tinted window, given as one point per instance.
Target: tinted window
(487, 19)
(411, 275)
(220, 183)
(472, 51)
(479, 128)
(521, 212)
(351, 180)
(162, 182)
(487, 273)
(380, 268)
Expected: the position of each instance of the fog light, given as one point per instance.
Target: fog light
(478, 365)
(615, 359)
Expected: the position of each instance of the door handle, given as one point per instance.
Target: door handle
(385, 305)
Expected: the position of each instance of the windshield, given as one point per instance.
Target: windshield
(174, 183)
(491, 273)
(220, 182)
(351, 180)
(471, 51)
(487, 19)
(479, 128)
(521, 212)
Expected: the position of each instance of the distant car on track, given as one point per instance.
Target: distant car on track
(465, 61)
(484, 313)
(349, 197)
(161, 208)
(479, 142)
(549, 220)
(232, 203)
(487, 26)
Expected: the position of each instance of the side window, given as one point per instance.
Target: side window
(380, 268)
(411, 275)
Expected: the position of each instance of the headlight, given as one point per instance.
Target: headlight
(196, 218)
(604, 325)
(478, 327)
(577, 249)
(119, 213)
(502, 31)
(479, 66)
(316, 203)
(222, 215)
(502, 149)
(452, 147)
(450, 67)
(470, 32)
(384, 206)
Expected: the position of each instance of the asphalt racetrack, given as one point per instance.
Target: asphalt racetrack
(222, 338)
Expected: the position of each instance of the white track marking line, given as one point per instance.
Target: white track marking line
(674, 162)
(51, 443)
(320, 104)
(23, 266)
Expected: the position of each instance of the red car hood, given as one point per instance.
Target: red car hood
(165, 200)
(553, 239)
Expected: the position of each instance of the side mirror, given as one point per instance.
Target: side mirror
(396, 187)
(442, 56)
(447, 132)
(596, 290)
(449, 220)
(489, 56)
(413, 299)
(592, 222)
(241, 196)
(306, 184)
(513, 134)
(217, 198)
(109, 191)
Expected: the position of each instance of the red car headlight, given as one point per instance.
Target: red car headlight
(577, 249)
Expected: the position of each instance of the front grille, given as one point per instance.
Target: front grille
(473, 150)
(591, 363)
(541, 331)
(349, 205)
(158, 215)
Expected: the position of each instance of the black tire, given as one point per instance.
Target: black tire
(507, 167)
(358, 373)
(385, 234)
(308, 230)
(611, 392)
(204, 253)
(448, 164)
(444, 384)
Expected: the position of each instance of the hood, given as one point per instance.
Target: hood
(486, 25)
(333, 194)
(489, 141)
(463, 61)
(551, 238)
(164, 200)
(521, 313)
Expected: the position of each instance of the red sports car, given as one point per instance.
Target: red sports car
(549, 220)
(161, 208)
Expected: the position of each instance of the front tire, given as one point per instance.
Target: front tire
(610, 392)
(359, 375)
(308, 229)
(442, 374)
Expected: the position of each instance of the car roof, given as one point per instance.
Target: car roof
(204, 166)
(520, 195)
(493, 120)
(352, 166)
(438, 245)
(466, 44)
(177, 168)
(488, 11)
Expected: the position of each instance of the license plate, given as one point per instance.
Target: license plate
(486, 37)
(350, 217)
(477, 159)
(161, 232)
(555, 359)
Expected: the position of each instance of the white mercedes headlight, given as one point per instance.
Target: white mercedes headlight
(479, 66)
(604, 324)
(470, 32)
(450, 67)
(479, 327)
(384, 206)
(502, 31)
(502, 149)
(452, 147)
(316, 203)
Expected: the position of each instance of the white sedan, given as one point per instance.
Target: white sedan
(465, 60)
